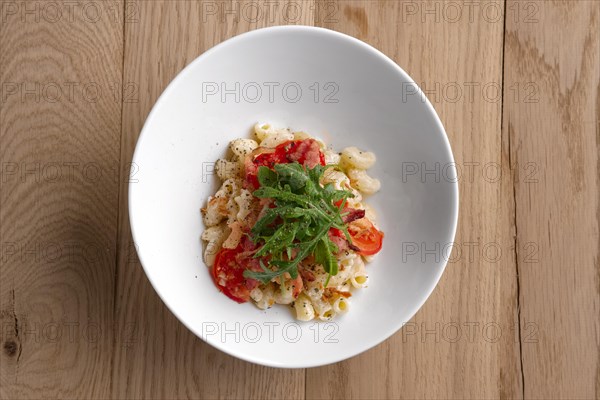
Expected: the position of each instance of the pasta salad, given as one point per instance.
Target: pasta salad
(289, 225)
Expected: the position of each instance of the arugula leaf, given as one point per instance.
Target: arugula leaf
(315, 174)
(293, 174)
(300, 221)
(267, 177)
(268, 218)
(281, 239)
(324, 255)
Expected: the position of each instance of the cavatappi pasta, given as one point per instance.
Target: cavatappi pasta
(231, 213)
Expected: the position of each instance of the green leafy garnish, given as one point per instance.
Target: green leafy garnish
(298, 224)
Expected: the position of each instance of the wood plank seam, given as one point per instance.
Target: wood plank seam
(514, 205)
(120, 181)
(516, 255)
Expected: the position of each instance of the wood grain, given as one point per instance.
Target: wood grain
(461, 344)
(59, 149)
(166, 360)
(554, 128)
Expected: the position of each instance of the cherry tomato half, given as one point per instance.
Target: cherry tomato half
(365, 236)
(228, 274)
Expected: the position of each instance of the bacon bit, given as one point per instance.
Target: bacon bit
(353, 247)
(338, 237)
(340, 242)
(353, 214)
(297, 286)
(308, 275)
(329, 293)
(247, 249)
(251, 283)
(306, 152)
(343, 294)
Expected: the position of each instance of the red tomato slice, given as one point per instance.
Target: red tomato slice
(365, 236)
(306, 152)
(228, 274)
(266, 159)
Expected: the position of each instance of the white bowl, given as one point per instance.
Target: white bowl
(363, 99)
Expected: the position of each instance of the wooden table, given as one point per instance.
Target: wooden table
(516, 314)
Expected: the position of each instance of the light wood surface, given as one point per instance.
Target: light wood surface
(515, 315)
(425, 360)
(554, 135)
(59, 147)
